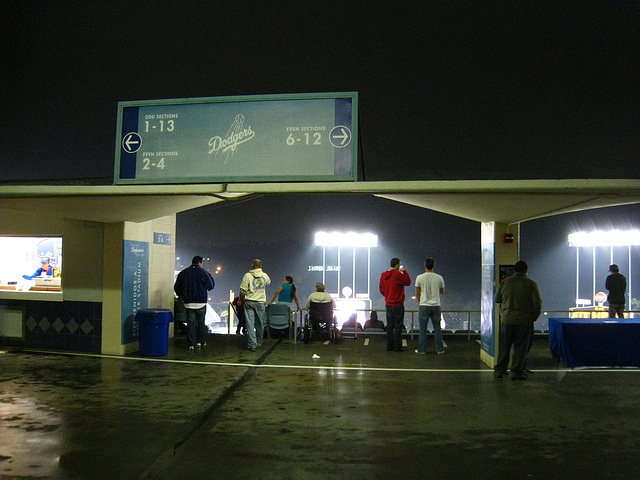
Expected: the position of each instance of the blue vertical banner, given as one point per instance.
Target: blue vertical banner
(487, 332)
(135, 286)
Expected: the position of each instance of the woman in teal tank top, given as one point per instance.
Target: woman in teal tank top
(286, 293)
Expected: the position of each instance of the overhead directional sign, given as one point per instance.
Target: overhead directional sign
(296, 137)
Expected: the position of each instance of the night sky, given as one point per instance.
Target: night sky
(447, 90)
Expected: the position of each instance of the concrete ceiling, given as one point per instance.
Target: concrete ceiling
(512, 207)
(111, 204)
(112, 209)
(501, 201)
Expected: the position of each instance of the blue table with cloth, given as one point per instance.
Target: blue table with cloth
(595, 342)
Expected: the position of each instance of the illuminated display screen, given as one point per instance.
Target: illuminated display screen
(306, 137)
(30, 263)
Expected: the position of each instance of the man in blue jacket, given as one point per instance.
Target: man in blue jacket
(191, 287)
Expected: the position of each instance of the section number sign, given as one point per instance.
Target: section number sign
(295, 137)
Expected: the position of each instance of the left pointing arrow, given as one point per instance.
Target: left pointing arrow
(131, 142)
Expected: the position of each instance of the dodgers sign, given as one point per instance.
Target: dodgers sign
(296, 137)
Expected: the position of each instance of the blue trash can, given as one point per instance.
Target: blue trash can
(154, 331)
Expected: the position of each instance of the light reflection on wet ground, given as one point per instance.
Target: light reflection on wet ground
(27, 426)
(87, 417)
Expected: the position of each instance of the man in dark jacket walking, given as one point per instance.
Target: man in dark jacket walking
(392, 283)
(191, 287)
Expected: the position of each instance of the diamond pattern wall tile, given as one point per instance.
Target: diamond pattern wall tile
(72, 326)
(75, 325)
(31, 323)
(58, 325)
(44, 324)
(86, 327)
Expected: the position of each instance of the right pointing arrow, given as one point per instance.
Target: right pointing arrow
(344, 136)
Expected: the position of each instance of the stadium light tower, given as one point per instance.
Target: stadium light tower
(348, 239)
(599, 238)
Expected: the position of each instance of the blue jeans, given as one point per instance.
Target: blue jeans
(433, 313)
(255, 315)
(395, 319)
(196, 329)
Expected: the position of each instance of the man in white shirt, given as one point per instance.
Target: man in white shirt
(429, 287)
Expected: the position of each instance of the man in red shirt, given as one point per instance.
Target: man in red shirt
(392, 283)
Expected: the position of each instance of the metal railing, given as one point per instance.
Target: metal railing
(454, 322)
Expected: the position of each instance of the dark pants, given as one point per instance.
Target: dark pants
(518, 336)
(196, 329)
(616, 309)
(242, 323)
(395, 319)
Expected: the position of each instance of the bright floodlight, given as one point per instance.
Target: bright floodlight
(598, 238)
(349, 239)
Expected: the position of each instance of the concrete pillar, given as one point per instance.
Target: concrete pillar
(155, 240)
(112, 289)
(500, 246)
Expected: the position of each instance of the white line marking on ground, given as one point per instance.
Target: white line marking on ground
(366, 342)
(334, 367)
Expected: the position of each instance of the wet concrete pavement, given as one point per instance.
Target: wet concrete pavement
(357, 411)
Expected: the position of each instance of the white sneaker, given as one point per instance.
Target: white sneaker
(420, 353)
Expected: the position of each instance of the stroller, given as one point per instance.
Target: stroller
(320, 321)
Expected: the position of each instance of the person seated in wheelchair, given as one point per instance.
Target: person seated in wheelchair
(318, 306)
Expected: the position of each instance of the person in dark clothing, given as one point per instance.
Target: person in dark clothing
(352, 324)
(616, 283)
(392, 283)
(191, 287)
(374, 322)
(238, 308)
(520, 306)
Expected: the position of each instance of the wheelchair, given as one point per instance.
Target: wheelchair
(320, 322)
